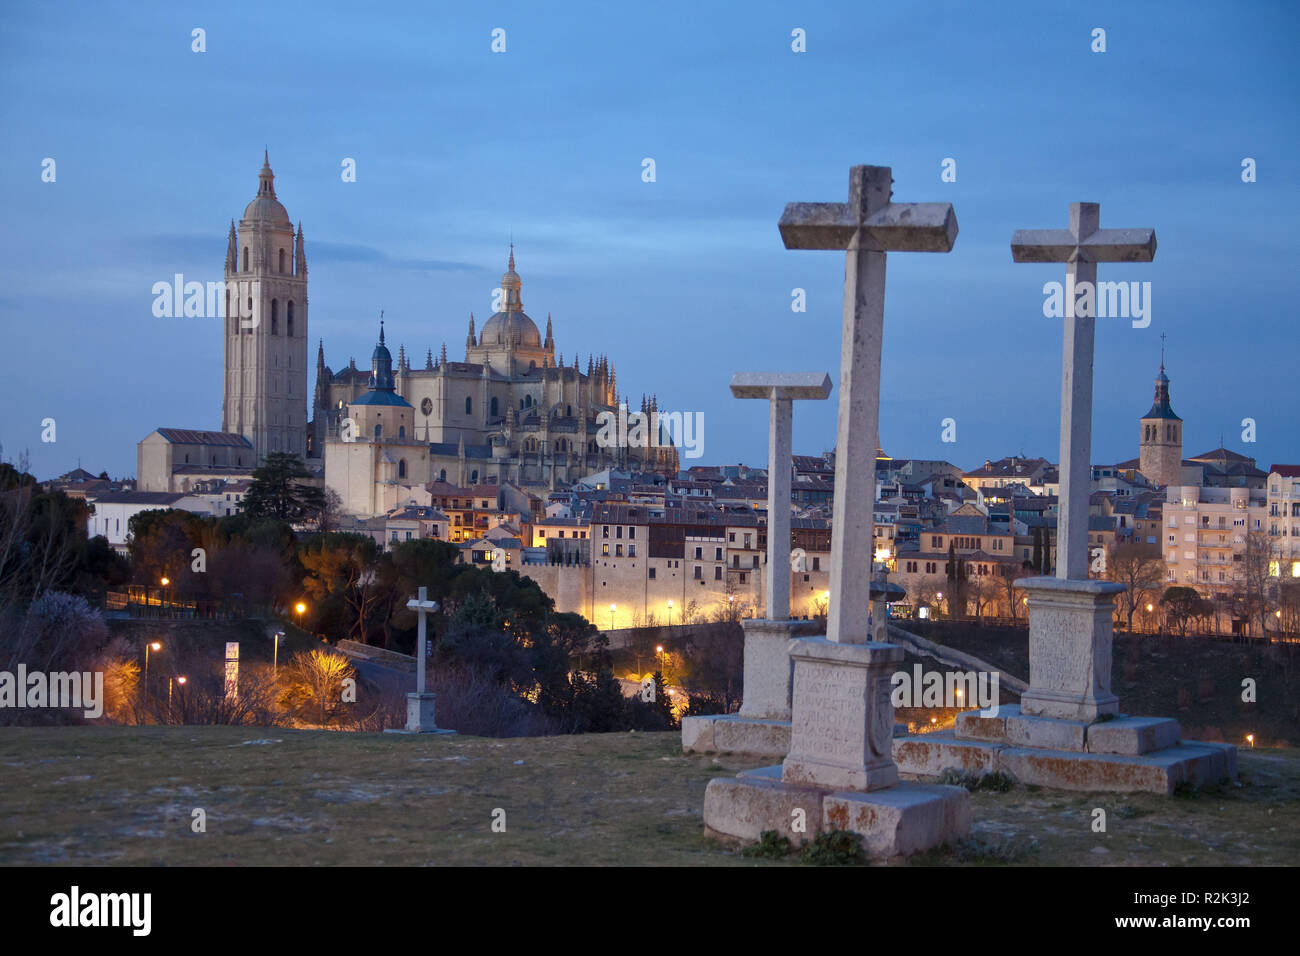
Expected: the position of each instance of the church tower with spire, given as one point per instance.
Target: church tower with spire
(265, 392)
(1161, 456)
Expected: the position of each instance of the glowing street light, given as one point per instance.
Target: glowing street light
(275, 656)
(300, 608)
(612, 609)
(1250, 739)
(178, 680)
(166, 581)
(670, 612)
(151, 646)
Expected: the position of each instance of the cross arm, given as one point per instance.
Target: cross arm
(898, 227)
(781, 385)
(1104, 245)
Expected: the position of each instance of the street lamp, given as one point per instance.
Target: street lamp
(275, 657)
(300, 608)
(670, 612)
(178, 680)
(166, 581)
(152, 645)
(612, 609)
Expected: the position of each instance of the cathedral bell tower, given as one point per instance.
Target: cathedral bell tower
(265, 393)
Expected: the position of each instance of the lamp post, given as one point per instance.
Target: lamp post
(150, 645)
(275, 656)
(612, 609)
(670, 612)
(170, 682)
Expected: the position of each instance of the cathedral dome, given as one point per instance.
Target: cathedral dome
(508, 325)
(511, 326)
(265, 207)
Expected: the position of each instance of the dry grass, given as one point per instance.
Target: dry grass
(124, 795)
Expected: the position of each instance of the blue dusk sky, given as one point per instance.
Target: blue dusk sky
(682, 281)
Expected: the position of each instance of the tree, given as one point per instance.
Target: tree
(1009, 574)
(1253, 579)
(343, 567)
(315, 683)
(1140, 568)
(1182, 605)
(1037, 561)
(278, 491)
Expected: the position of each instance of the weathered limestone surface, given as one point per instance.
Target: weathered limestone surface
(1070, 636)
(895, 821)
(843, 718)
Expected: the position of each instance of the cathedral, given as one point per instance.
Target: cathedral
(511, 412)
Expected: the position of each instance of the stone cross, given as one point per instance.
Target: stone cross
(1082, 246)
(781, 389)
(422, 606)
(868, 226)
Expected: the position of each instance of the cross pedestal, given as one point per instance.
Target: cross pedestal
(762, 728)
(1067, 731)
(420, 705)
(839, 770)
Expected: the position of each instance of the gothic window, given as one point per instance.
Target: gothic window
(275, 316)
(379, 430)
(401, 432)
(282, 260)
(473, 477)
(290, 317)
(401, 468)
(494, 406)
(591, 447)
(442, 474)
(568, 411)
(528, 401)
(469, 405)
(245, 269)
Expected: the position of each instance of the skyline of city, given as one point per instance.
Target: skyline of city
(682, 281)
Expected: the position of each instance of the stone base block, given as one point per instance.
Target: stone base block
(1131, 736)
(1046, 733)
(419, 716)
(895, 821)
(1157, 771)
(734, 734)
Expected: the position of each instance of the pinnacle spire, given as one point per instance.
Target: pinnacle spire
(428, 360)
(381, 326)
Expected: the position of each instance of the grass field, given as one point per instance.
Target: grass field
(125, 795)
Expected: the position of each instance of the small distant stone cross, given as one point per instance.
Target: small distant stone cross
(868, 226)
(781, 389)
(422, 606)
(1082, 246)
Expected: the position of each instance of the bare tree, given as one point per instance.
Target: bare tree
(1253, 584)
(1140, 568)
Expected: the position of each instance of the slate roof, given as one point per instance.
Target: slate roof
(190, 436)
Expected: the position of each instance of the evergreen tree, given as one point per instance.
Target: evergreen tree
(1037, 563)
(278, 491)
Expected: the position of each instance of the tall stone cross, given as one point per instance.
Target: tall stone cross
(781, 389)
(1081, 246)
(868, 226)
(422, 606)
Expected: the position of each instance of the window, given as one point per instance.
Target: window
(631, 532)
(379, 430)
(631, 551)
(604, 531)
(401, 468)
(494, 406)
(245, 269)
(717, 554)
(618, 551)
(732, 537)
(401, 431)
(604, 549)
(618, 531)
(289, 319)
(755, 564)
(469, 405)
(652, 574)
(275, 317)
(699, 555)
(699, 573)
(717, 573)
(817, 564)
